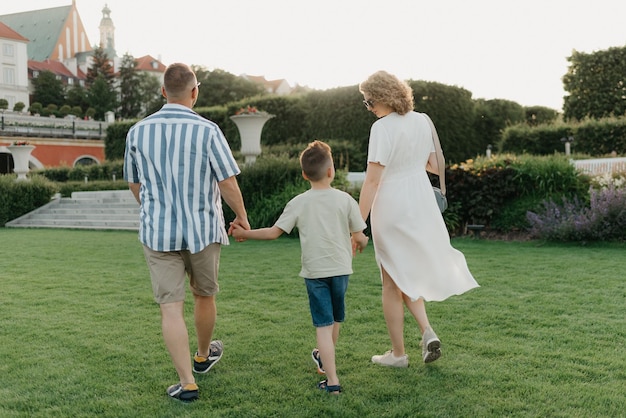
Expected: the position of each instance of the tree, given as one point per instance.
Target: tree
(151, 96)
(77, 96)
(129, 85)
(492, 116)
(102, 98)
(596, 84)
(4, 104)
(220, 87)
(536, 115)
(48, 90)
(453, 112)
(100, 67)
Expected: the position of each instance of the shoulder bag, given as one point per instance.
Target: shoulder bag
(440, 192)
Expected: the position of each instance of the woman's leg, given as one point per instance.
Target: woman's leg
(418, 310)
(431, 345)
(393, 310)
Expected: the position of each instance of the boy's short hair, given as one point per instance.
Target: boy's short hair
(315, 160)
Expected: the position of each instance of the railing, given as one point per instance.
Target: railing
(17, 124)
(597, 166)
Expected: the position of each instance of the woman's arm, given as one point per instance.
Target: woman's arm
(369, 188)
(432, 165)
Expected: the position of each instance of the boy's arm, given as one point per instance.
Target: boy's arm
(359, 241)
(241, 234)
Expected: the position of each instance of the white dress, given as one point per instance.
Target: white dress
(410, 237)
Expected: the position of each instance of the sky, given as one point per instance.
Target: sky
(496, 49)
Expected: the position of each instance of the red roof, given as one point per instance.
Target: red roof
(8, 33)
(149, 63)
(55, 67)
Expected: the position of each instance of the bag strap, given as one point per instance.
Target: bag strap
(441, 162)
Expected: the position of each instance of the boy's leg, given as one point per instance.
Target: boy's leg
(326, 346)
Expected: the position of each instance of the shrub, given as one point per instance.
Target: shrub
(498, 191)
(19, 106)
(573, 220)
(94, 172)
(67, 188)
(35, 108)
(17, 198)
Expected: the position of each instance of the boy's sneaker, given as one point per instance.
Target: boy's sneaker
(388, 359)
(187, 393)
(431, 346)
(204, 364)
(315, 355)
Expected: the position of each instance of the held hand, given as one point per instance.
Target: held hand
(362, 244)
(359, 243)
(243, 223)
(237, 231)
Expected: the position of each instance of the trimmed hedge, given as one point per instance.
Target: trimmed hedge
(594, 137)
(17, 198)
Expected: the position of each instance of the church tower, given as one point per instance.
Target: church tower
(107, 32)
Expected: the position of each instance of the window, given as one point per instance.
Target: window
(70, 81)
(8, 50)
(35, 74)
(8, 76)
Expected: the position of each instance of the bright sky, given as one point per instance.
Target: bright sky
(514, 50)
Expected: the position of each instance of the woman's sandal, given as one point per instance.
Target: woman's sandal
(334, 389)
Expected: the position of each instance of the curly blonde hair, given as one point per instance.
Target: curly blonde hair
(382, 87)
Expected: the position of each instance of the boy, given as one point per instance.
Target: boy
(331, 229)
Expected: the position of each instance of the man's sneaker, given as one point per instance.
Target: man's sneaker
(315, 355)
(204, 364)
(388, 359)
(431, 346)
(187, 393)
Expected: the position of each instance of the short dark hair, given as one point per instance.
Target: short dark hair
(315, 160)
(178, 78)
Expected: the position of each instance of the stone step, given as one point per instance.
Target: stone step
(115, 210)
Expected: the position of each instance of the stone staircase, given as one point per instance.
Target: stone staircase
(115, 209)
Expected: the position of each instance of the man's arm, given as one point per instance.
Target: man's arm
(134, 188)
(233, 198)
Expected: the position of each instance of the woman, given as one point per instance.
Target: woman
(411, 242)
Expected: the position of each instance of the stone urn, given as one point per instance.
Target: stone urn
(250, 126)
(21, 156)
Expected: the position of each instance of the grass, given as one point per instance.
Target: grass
(80, 335)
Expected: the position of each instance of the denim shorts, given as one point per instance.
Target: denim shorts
(327, 299)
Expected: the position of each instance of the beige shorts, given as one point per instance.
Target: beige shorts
(168, 271)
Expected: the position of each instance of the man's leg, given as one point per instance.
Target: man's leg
(205, 314)
(176, 339)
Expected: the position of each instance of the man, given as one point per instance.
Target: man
(179, 167)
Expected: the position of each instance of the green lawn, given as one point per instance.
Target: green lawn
(544, 336)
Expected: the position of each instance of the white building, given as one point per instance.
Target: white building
(13, 67)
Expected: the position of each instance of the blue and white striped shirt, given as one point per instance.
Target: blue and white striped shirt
(179, 157)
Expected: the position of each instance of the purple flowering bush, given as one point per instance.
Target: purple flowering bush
(603, 218)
